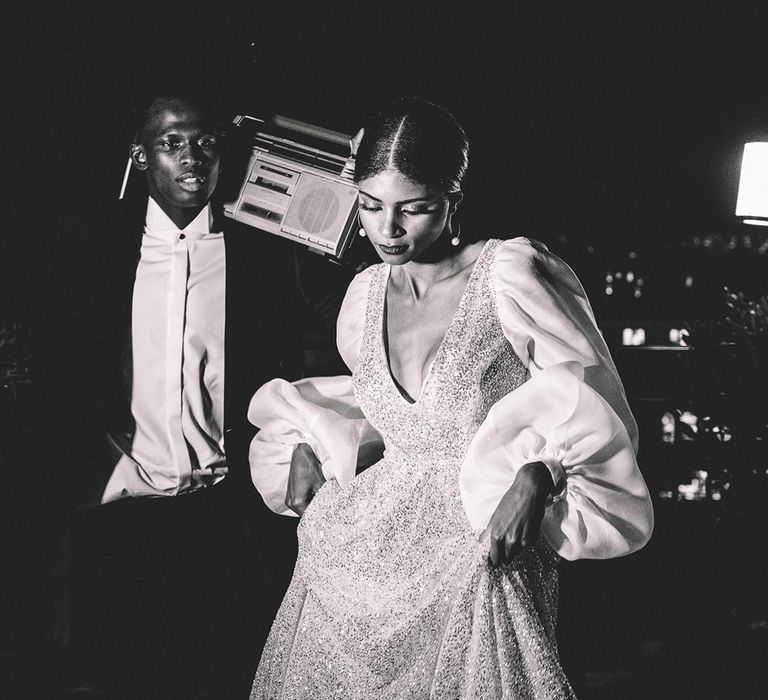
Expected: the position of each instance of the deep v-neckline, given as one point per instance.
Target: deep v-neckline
(384, 345)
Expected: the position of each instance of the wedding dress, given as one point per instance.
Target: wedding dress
(392, 594)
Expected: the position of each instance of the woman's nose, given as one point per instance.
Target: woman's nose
(391, 227)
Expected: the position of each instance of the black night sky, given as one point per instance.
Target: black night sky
(616, 126)
(608, 121)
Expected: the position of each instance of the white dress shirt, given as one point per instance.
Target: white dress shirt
(178, 361)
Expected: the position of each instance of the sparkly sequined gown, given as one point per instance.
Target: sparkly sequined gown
(392, 595)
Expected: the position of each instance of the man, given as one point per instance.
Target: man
(170, 317)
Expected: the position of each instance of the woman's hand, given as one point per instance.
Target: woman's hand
(517, 519)
(304, 479)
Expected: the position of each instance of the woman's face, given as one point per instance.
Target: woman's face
(401, 217)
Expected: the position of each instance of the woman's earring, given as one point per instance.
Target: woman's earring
(457, 235)
(361, 232)
(360, 229)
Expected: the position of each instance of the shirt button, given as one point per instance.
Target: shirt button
(182, 236)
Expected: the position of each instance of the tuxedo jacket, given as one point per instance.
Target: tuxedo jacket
(90, 344)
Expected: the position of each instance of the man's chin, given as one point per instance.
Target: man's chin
(188, 199)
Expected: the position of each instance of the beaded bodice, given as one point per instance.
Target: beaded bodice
(474, 367)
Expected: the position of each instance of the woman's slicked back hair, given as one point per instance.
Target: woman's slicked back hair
(418, 138)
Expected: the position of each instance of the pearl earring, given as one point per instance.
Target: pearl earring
(456, 237)
(360, 229)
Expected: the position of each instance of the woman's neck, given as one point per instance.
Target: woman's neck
(419, 276)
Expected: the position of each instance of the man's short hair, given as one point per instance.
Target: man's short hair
(172, 87)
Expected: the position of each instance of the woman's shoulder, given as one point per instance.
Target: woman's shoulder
(369, 271)
(357, 291)
(520, 260)
(351, 319)
(520, 249)
(361, 282)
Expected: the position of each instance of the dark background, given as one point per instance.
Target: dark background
(616, 125)
(611, 130)
(608, 121)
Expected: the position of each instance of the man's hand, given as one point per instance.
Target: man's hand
(304, 479)
(348, 171)
(354, 142)
(517, 519)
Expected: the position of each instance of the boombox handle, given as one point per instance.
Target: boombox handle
(311, 129)
(281, 123)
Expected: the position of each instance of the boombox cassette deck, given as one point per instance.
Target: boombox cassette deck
(298, 184)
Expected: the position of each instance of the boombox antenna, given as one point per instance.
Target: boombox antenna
(125, 178)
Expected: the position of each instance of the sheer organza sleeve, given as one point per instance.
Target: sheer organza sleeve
(320, 411)
(349, 326)
(572, 415)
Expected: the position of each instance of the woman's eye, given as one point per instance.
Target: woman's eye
(369, 207)
(417, 212)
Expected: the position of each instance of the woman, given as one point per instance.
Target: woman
(509, 444)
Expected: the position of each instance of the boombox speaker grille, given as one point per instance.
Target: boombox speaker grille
(315, 206)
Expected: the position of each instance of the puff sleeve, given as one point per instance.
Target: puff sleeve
(320, 411)
(572, 415)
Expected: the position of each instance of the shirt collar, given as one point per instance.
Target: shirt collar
(159, 225)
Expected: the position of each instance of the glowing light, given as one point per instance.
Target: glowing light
(752, 199)
(678, 336)
(633, 336)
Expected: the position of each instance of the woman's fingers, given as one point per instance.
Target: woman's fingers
(304, 480)
(297, 507)
(298, 503)
(515, 524)
(504, 546)
(495, 552)
(294, 507)
(512, 547)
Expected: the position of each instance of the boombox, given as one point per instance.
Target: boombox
(298, 184)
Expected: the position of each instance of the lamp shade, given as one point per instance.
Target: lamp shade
(752, 200)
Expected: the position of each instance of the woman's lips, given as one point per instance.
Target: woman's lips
(393, 249)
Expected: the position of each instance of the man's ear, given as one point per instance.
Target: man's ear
(138, 156)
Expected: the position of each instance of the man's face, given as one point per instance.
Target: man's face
(178, 150)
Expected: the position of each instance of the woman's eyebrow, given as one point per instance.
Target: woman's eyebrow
(405, 201)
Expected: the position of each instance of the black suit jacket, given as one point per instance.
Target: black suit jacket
(90, 344)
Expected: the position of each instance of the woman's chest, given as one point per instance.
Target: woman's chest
(415, 330)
